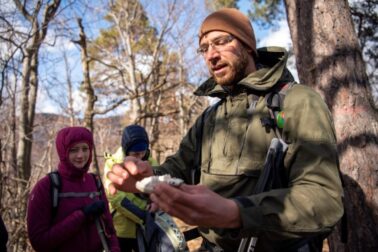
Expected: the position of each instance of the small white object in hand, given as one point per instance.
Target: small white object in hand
(147, 185)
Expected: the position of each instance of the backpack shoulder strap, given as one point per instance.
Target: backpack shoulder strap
(98, 182)
(55, 186)
(100, 225)
(274, 101)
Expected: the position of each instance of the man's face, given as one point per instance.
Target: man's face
(226, 58)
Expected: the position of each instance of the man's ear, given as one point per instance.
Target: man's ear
(252, 53)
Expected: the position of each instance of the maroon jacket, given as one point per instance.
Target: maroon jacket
(69, 229)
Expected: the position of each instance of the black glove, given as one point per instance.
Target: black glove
(94, 209)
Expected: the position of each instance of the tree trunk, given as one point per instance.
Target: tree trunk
(88, 89)
(329, 59)
(28, 102)
(13, 128)
(29, 87)
(70, 103)
(29, 90)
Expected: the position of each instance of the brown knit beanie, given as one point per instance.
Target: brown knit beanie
(232, 21)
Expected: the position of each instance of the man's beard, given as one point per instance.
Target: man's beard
(236, 73)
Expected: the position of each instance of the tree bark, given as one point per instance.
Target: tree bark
(29, 87)
(329, 59)
(70, 103)
(88, 88)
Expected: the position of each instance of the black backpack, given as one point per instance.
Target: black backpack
(159, 233)
(56, 185)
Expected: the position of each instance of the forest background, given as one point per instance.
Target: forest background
(104, 64)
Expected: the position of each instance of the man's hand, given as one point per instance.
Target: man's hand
(196, 205)
(124, 176)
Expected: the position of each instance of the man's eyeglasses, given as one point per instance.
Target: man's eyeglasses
(218, 44)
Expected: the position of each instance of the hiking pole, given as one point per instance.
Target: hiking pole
(247, 246)
(270, 178)
(101, 233)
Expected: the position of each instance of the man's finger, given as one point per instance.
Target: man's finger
(116, 178)
(182, 194)
(190, 188)
(174, 208)
(118, 170)
(167, 196)
(153, 207)
(112, 190)
(131, 165)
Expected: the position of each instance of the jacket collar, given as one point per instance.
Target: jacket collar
(271, 68)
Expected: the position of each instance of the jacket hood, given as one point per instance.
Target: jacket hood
(66, 138)
(134, 136)
(271, 68)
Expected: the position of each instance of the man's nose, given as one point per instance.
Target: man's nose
(212, 53)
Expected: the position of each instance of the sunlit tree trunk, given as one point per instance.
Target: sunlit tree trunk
(329, 59)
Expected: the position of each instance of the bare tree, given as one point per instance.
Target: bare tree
(329, 59)
(154, 63)
(365, 17)
(29, 86)
(25, 43)
(136, 61)
(87, 86)
(70, 100)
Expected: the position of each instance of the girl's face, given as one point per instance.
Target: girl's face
(78, 155)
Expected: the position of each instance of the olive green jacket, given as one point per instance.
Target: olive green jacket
(234, 147)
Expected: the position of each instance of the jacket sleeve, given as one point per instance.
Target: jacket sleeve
(45, 235)
(183, 162)
(132, 200)
(116, 200)
(312, 202)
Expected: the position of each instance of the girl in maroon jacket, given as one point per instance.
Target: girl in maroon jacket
(73, 225)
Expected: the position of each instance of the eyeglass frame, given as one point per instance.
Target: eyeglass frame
(203, 51)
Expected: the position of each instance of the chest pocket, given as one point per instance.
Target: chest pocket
(235, 142)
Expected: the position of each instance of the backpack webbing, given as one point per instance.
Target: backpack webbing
(274, 101)
(56, 186)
